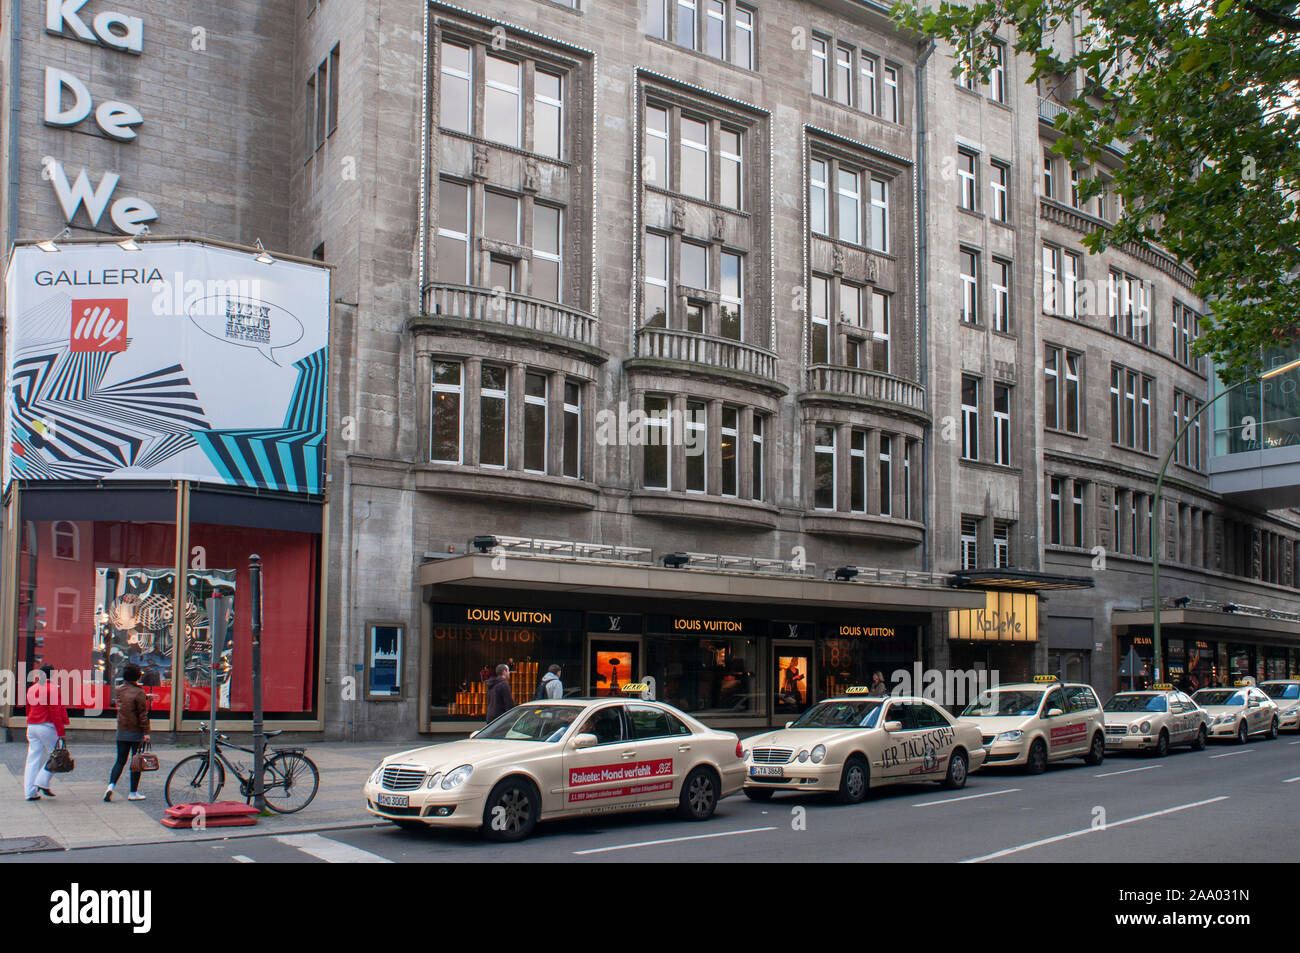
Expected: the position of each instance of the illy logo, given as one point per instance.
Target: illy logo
(98, 324)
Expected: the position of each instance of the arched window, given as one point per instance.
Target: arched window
(67, 540)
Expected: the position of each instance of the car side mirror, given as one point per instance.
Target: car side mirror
(893, 726)
(1054, 712)
(789, 723)
(585, 741)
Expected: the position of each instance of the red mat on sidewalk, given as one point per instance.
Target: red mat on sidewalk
(217, 814)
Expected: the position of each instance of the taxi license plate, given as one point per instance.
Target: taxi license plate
(394, 800)
(764, 771)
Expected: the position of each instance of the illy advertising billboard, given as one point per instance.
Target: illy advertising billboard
(177, 361)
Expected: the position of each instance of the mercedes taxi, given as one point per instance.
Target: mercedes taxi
(552, 759)
(850, 744)
(1239, 712)
(1155, 720)
(1031, 724)
(1285, 693)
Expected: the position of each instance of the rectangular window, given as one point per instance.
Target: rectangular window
(849, 187)
(1000, 180)
(818, 196)
(572, 429)
(890, 106)
(970, 312)
(969, 542)
(656, 469)
(727, 450)
(1001, 286)
(1147, 407)
(1001, 544)
(1054, 516)
(742, 44)
(970, 418)
(334, 90)
(695, 265)
(1052, 388)
(445, 416)
(880, 215)
(844, 74)
(655, 308)
(1073, 415)
(310, 110)
(715, 30)
(731, 324)
(695, 158)
(998, 75)
(686, 23)
(697, 442)
(502, 102)
(548, 113)
(1002, 424)
(758, 457)
(546, 265)
(493, 418)
(858, 472)
(1116, 414)
(1051, 279)
(1077, 503)
(501, 217)
(820, 67)
(967, 180)
(535, 422)
(1074, 187)
(880, 339)
(907, 479)
(867, 96)
(731, 163)
(819, 321)
(824, 468)
(1048, 189)
(322, 103)
(851, 304)
(1070, 284)
(655, 163)
(886, 474)
(453, 231)
(502, 273)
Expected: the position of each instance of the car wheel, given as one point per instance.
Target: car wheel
(1162, 744)
(1272, 730)
(1241, 733)
(511, 811)
(759, 794)
(699, 795)
(1037, 762)
(957, 771)
(855, 781)
(413, 826)
(1097, 754)
(1201, 739)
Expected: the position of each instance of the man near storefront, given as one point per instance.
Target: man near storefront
(499, 699)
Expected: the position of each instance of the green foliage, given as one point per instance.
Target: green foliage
(1204, 93)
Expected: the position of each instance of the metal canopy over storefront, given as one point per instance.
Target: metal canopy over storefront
(1016, 579)
(1225, 624)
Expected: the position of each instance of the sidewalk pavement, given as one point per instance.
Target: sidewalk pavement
(78, 817)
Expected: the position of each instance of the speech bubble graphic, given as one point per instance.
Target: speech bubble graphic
(246, 322)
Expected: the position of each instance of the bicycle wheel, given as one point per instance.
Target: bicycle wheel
(188, 781)
(289, 782)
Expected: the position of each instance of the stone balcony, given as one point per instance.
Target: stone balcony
(509, 316)
(705, 355)
(853, 385)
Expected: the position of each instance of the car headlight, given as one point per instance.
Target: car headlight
(374, 778)
(434, 780)
(803, 756)
(457, 777)
(1146, 727)
(1290, 711)
(1132, 729)
(818, 754)
(1009, 736)
(745, 754)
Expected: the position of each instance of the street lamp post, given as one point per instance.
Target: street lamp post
(1157, 515)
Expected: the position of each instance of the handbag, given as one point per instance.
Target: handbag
(144, 760)
(60, 760)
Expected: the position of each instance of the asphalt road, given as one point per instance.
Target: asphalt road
(1229, 803)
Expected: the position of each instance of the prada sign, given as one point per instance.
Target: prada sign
(1006, 617)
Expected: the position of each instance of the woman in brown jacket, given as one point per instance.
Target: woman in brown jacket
(132, 729)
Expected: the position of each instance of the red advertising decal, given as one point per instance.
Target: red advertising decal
(619, 792)
(613, 773)
(1064, 734)
(98, 325)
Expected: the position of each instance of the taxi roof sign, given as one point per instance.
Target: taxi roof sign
(1042, 679)
(635, 687)
(1244, 683)
(857, 690)
(1162, 687)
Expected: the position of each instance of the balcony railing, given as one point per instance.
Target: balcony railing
(723, 353)
(512, 310)
(872, 385)
(1049, 109)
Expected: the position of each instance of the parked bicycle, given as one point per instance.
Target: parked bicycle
(289, 778)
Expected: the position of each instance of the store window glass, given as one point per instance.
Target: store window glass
(96, 594)
(384, 661)
(705, 676)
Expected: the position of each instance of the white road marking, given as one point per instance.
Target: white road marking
(242, 859)
(331, 851)
(673, 840)
(1229, 754)
(964, 797)
(1092, 830)
(1291, 780)
(1111, 774)
(1293, 742)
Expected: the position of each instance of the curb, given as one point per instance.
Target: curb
(227, 834)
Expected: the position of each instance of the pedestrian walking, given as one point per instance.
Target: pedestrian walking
(46, 721)
(550, 686)
(499, 699)
(132, 729)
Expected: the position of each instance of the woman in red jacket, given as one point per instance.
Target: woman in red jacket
(46, 721)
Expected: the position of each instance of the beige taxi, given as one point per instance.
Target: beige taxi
(1239, 712)
(1285, 693)
(850, 744)
(1155, 720)
(552, 759)
(1031, 724)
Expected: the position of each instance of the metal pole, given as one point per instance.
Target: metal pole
(218, 623)
(255, 621)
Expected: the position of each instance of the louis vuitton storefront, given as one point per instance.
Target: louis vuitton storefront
(708, 643)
